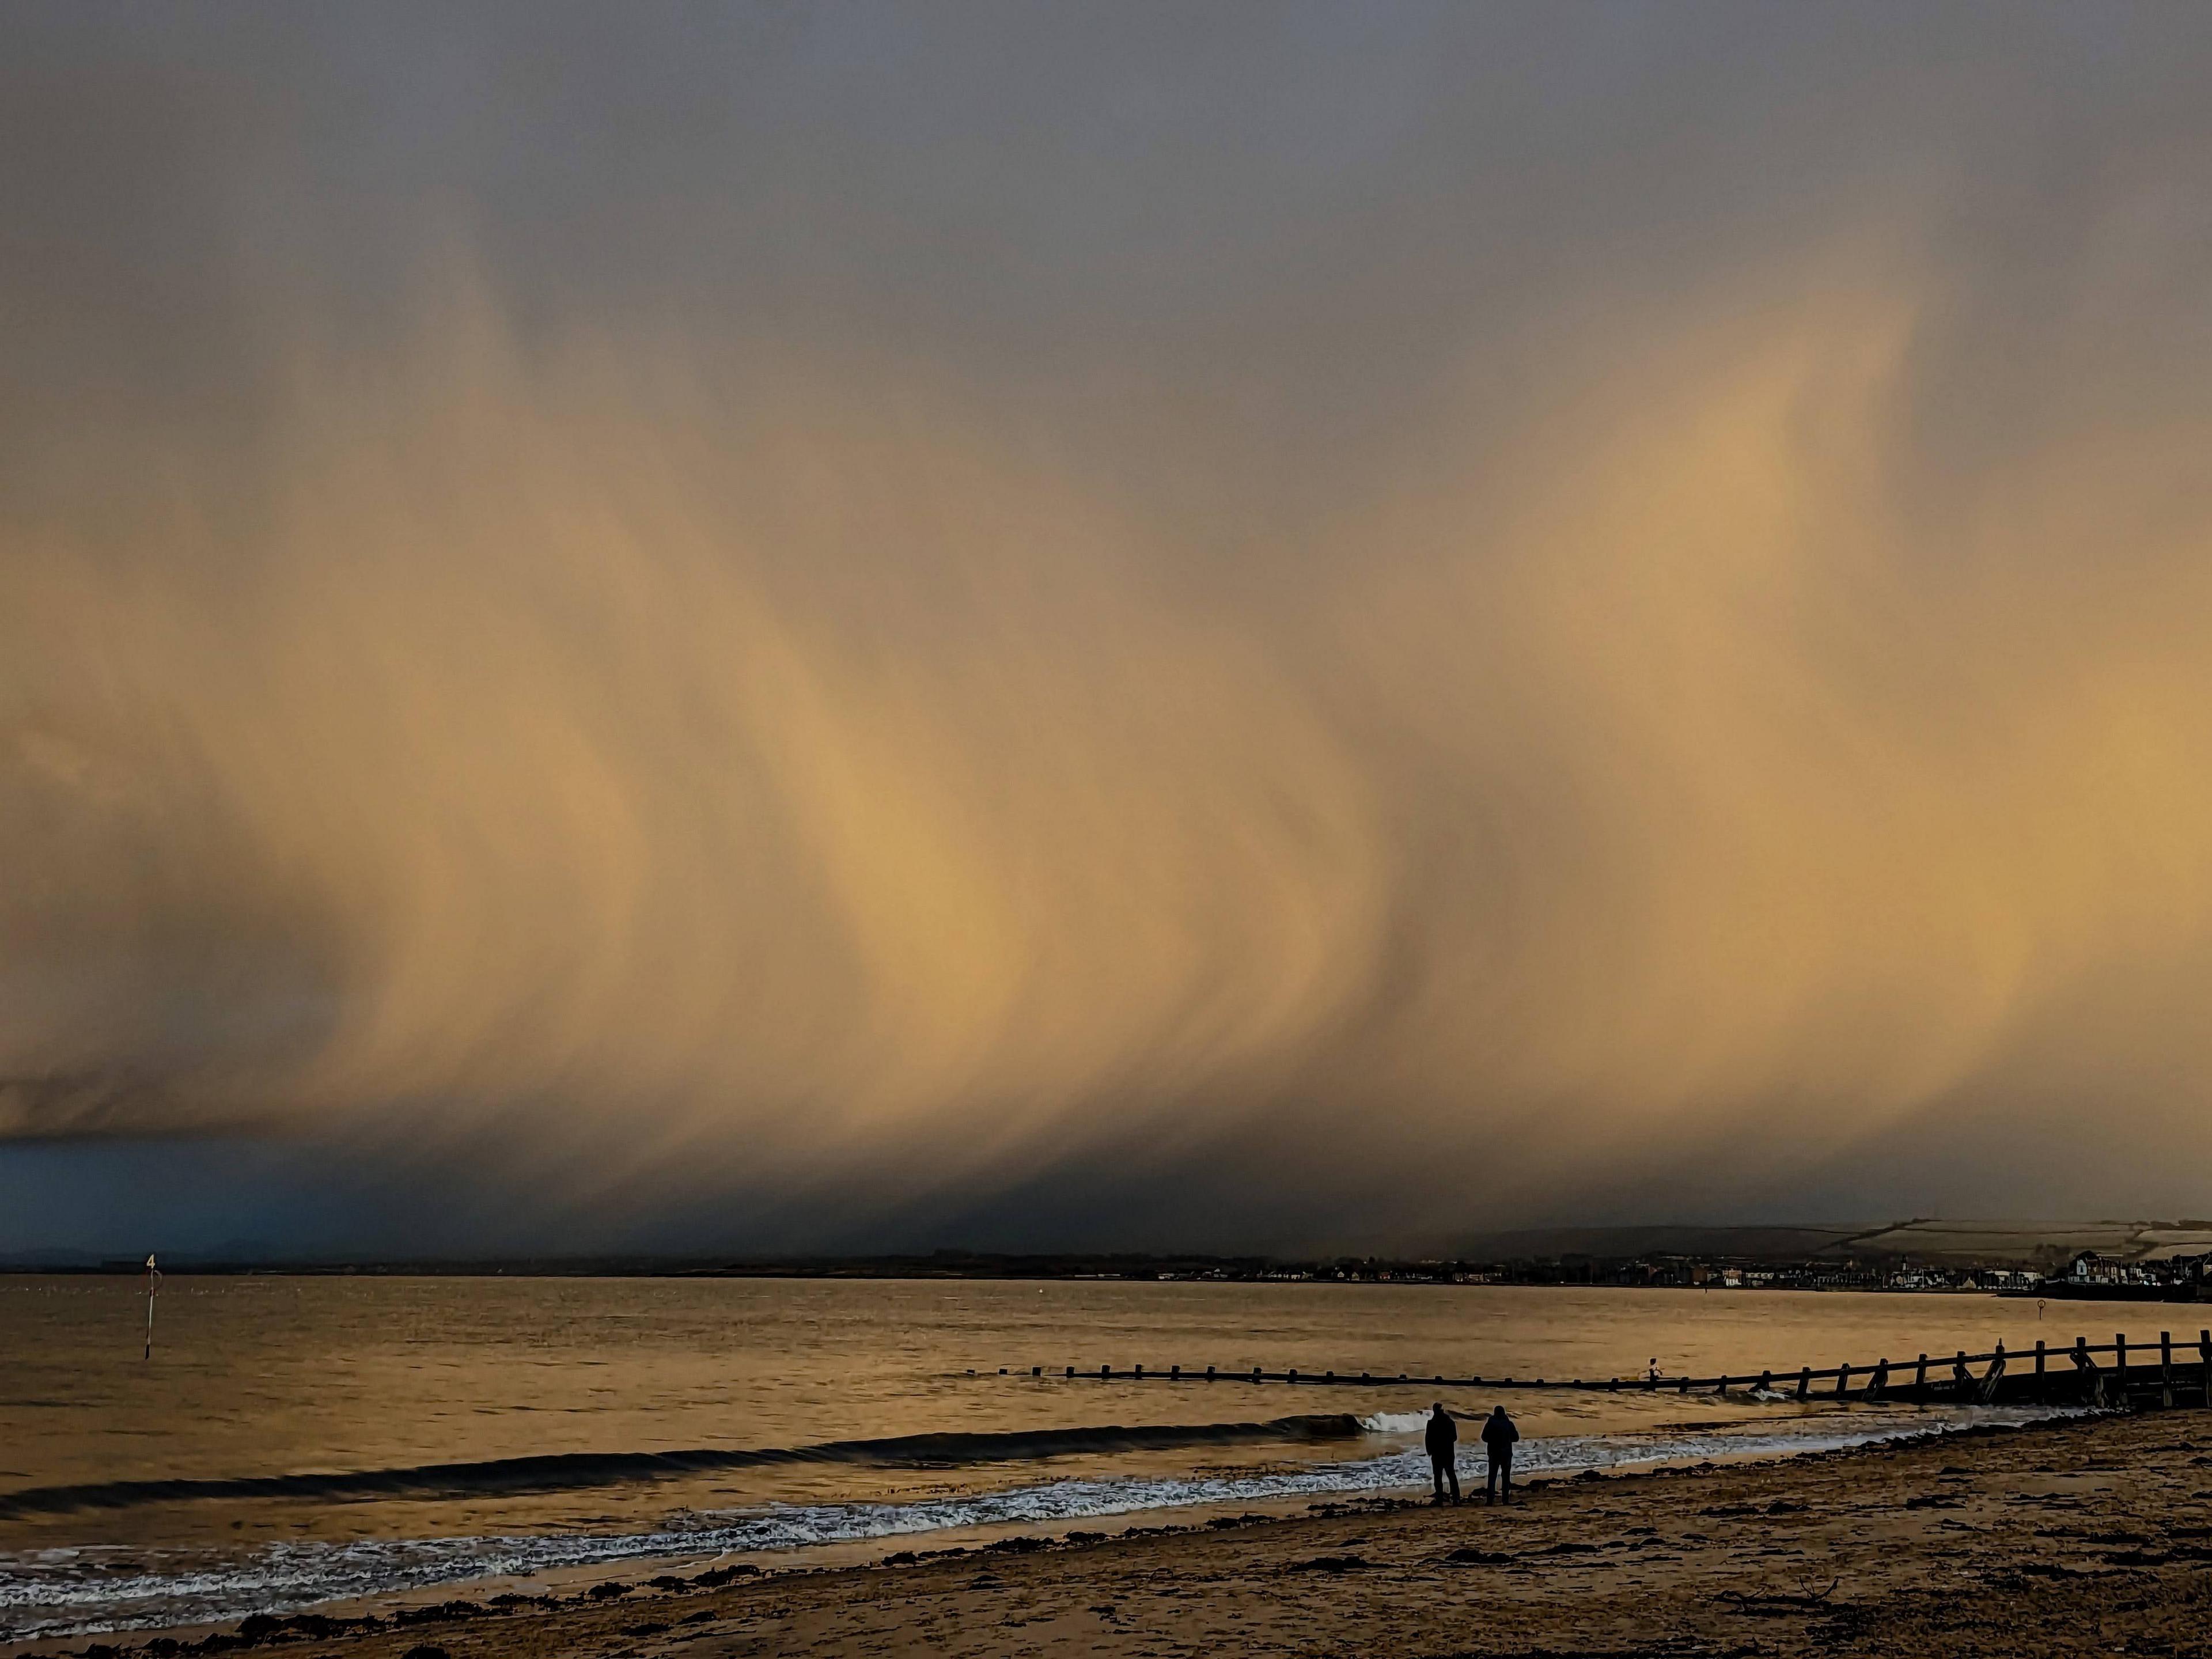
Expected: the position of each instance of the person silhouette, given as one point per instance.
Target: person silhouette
(1442, 1436)
(1498, 1435)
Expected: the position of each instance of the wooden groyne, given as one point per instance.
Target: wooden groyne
(2120, 1373)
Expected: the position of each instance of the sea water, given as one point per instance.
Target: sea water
(299, 1439)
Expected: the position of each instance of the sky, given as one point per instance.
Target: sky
(762, 627)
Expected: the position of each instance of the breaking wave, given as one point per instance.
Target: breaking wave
(567, 1471)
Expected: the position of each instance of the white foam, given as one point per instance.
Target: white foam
(1395, 1422)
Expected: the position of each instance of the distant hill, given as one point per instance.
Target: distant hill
(1990, 1243)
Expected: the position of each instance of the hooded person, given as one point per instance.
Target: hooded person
(1442, 1436)
(1498, 1435)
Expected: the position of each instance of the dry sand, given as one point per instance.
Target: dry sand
(2079, 1537)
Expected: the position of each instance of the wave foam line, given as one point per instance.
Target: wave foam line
(566, 1471)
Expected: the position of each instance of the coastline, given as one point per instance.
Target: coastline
(2062, 1536)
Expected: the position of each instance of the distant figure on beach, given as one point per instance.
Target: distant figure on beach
(1498, 1435)
(1444, 1451)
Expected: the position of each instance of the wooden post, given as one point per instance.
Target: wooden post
(1071, 1370)
(1962, 1380)
(1920, 1380)
(2204, 1354)
(1765, 1384)
(1140, 1373)
(1105, 1371)
(1684, 1385)
(1293, 1375)
(1256, 1373)
(1994, 1375)
(1874, 1390)
(2038, 1371)
(2120, 1364)
(1723, 1388)
(1804, 1381)
(2165, 1369)
(1175, 1373)
(2094, 1378)
(1843, 1380)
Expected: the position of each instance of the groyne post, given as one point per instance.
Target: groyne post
(2120, 1362)
(2165, 1368)
(2204, 1354)
(1962, 1380)
(1920, 1380)
(1804, 1381)
(1881, 1383)
(1843, 1380)
(2039, 1384)
(2093, 1379)
(1990, 1378)
(1765, 1384)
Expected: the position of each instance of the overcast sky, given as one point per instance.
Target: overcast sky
(1247, 626)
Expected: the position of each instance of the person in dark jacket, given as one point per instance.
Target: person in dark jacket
(1498, 1435)
(1444, 1451)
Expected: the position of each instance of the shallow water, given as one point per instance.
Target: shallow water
(495, 1426)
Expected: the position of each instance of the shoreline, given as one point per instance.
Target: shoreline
(1998, 1516)
(1055, 1502)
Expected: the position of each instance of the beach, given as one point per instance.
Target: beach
(2078, 1536)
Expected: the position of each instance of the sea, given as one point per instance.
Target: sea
(298, 1441)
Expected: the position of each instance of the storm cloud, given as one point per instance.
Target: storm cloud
(1254, 623)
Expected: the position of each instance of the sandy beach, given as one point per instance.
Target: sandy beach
(2073, 1537)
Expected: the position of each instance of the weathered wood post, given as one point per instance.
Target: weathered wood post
(1140, 1373)
(2120, 1364)
(1290, 1376)
(1175, 1373)
(1683, 1387)
(1071, 1370)
(1920, 1380)
(2204, 1354)
(1766, 1383)
(1105, 1371)
(2165, 1369)
(1209, 1373)
(1804, 1381)
(1722, 1387)
(1881, 1378)
(2038, 1371)
(1843, 1380)
(1256, 1373)
(1994, 1375)
(2093, 1379)
(1962, 1380)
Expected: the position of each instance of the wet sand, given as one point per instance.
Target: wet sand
(2088, 1536)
